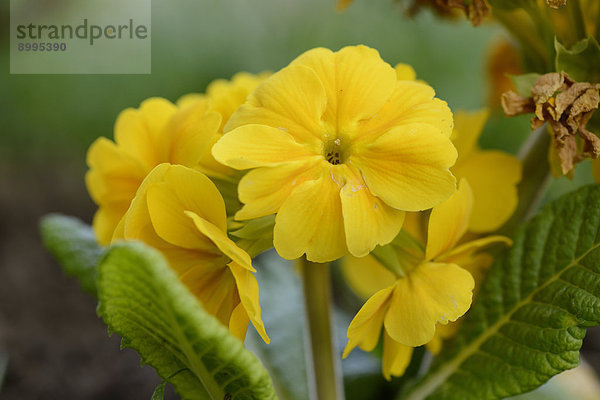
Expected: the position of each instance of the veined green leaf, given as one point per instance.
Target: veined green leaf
(529, 319)
(143, 301)
(74, 246)
(581, 61)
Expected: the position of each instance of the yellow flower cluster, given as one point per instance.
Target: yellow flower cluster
(150, 185)
(348, 154)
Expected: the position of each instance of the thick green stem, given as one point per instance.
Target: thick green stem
(317, 298)
(536, 176)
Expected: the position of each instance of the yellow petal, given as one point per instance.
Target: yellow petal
(448, 222)
(263, 190)
(310, 222)
(415, 223)
(189, 99)
(137, 223)
(191, 132)
(220, 239)
(467, 129)
(408, 167)
(226, 96)
(251, 146)
(493, 176)
(238, 323)
(469, 256)
(368, 221)
(140, 132)
(357, 83)
(396, 357)
(365, 328)
(106, 220)
(410, 103)
(248, 292)
(432, 293)
(292, 100)
(182, 190)
(363, 82)
(442, 332)
(366, 275)
(114, 175)
(405, 72)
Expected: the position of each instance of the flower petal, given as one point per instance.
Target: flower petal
(263, 190)
(396, 357)
(448, 222)
(106, 221)
(310, 221)
(251, 146)
(408, 167)
(368, 221)
(183, 189)
(114, 175)
(366, 275)
(292, 100)
(247, 287)
(140, 132)
(220, 239)
(494, 176)
(467, 130)
(356, 80)
(238, 323)
(192, 132)
(432, 293)
(405, 72)
(410, 103)
(365, 328)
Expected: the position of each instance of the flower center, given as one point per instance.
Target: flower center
(336, 151)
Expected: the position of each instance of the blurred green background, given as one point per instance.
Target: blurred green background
(56, 346)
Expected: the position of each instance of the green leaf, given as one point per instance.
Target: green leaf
(529, 319)
(159, 392)
(524, 83)
(581, 61)
(143, 301)
(74, 246)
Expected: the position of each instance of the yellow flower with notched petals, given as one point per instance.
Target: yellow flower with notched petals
(339, 148)
(180, 212)
(155, 133)
(431, 284)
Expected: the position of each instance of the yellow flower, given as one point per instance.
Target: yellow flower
(430, 284)
(339, 148)
(180, 212)
(492, 174)
(155, 133)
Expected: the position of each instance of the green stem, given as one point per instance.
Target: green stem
(576, 20)
(536, 177)
(317, 299)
